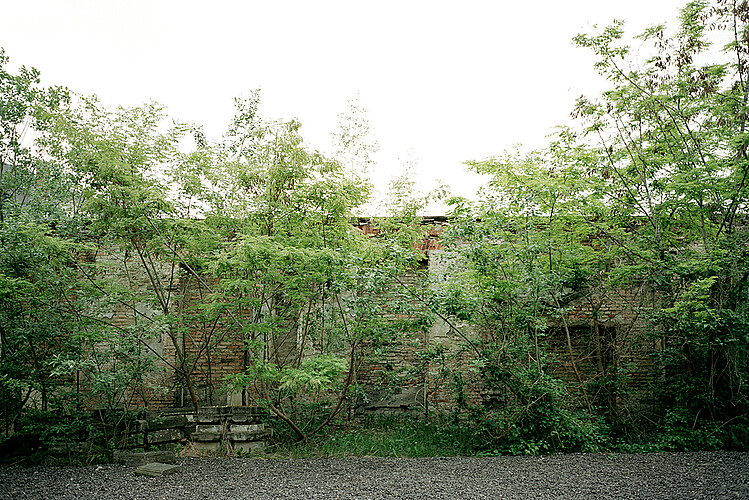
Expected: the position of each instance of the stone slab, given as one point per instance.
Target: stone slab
(246, 428)
(206, 436)
(166, 422)
(156, 469)
(212, 413)
(247, 414)
(206, 446)
(164, 436)
(246, 435)
(140, 426)
(169, 447)
(215, 428)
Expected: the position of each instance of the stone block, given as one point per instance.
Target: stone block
(246, 427)
(134, 459)
(171, 446)
(164, 436)
(246, 432)
(216, 428)
(246, 414)
(400, 400)
(156, 469)
(206, 436)
(141, 426)
(207, 445)
(247, 436)
(212, 432)
(212, 413)
(131, 440)
(167, 422)
(66, 447)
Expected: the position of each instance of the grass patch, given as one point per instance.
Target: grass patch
(381, 436)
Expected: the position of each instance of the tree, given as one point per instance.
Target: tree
(120, 160)
(673, 149)
(46, 331)
(515, 263)
(35, 292)
(355, 145)
(651, 194)
(294, 273)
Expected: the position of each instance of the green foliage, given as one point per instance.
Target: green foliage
(647, 195)
(292, 268)
(480, 434)
(317, 373)
(355, 146)
(118, 159)
(383, 436)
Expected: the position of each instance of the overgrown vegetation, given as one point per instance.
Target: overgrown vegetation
(248, 243)
(648, 196)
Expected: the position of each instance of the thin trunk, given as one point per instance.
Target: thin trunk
(190, 388)
(39, 374)
(538, 351)
(572, 357)
(449, 323)
(209, 377)
(344, 392)
(599, 350)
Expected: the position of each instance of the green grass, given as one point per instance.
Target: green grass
(380, 437)
(467, 435)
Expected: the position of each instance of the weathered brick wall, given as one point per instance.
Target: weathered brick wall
(393, 377)
(389, 371)
(213, 347)
(133, 316)
(451, 377)
(216, 347)
(609, 334)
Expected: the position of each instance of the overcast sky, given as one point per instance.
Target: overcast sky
(443, 82)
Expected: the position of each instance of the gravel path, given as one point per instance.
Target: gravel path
(661, 475)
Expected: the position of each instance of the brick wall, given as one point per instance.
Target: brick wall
(608, 329)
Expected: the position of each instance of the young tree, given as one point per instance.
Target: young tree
(355, 146)
(31, 262)
(515, 263)
(673, 151)
(650, 194)
(120, 160)
(44, 326)
(287, 270)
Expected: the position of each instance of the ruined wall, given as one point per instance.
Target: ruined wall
(609, 334)
(214, 348)
(393, 373)
(614, 346)
(134, 314)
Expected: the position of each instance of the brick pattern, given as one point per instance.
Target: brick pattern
(215, 351)
(610, 335)
(432, 226)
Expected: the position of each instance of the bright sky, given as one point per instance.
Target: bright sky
(443, 82)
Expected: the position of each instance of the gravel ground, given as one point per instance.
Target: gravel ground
(661, 475)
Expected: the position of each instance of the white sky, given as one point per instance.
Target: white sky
(443, 82)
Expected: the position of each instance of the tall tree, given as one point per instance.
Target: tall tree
(673, 145)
